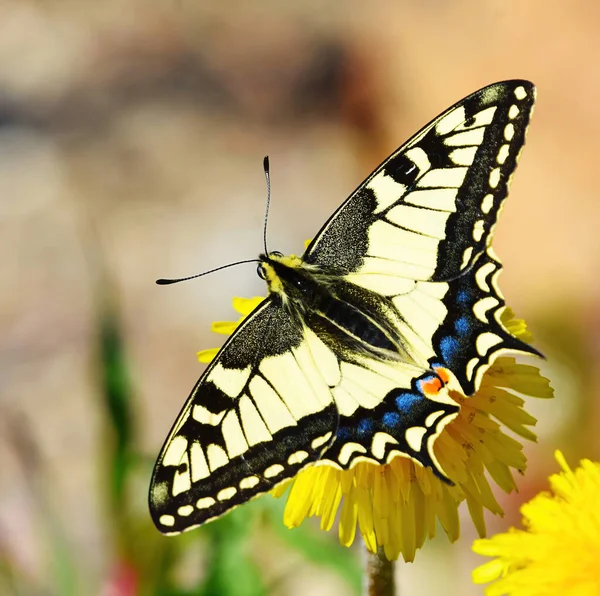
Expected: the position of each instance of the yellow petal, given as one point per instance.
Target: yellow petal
(206, 356)
(225, 327)
(246, 305)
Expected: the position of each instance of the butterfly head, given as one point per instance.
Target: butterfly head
(284, 274)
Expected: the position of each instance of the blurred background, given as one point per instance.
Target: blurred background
(131, 142)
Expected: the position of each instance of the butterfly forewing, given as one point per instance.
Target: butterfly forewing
(261, 412)
(427, 211)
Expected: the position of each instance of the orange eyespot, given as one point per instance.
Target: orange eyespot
(430, 385)
(442, 373)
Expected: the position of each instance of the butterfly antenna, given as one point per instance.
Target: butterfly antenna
(166, 282)
(268, 177)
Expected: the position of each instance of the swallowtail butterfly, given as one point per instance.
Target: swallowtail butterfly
(351, 355)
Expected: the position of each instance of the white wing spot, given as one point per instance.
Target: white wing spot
(217, 457)
(432, 418)
(205, 502)
(249, 482)
(414, 437)
(486, 341)
(254, 427)
(204, 416)
(387, 190)
(465, 139)
(175, 451)
(226, 493)
(234, 437)
(478, 230)
(481, 307)
(181, 481)
(198, 462)
(167, 520)
(482, 273)
(269, 403)
(482, 118)
(419, 158)
(273, 471)
(421, 221)
(513, 111)
(297, 458)
(509, 131)
(440, 199)
(320, 441)
(503, 154)
(185, 510)
(467, 257)
(444, 177)
(494, 177)
(463, 156)
(380, 440)
(230, 381)
(450, 121)
(487, 203)
(520, 93)
(348, 450)
(318, 396)
(470, 369)
(329, 366)
(345, 403)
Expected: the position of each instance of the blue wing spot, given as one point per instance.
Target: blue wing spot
(462, 325)
(343, 433)
(365, 426)
(405, 401)
(463, 298)
(449, 346)
(391, 419)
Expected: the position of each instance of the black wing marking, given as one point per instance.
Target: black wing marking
(259, 414)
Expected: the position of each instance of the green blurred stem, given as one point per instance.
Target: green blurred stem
(379, 580)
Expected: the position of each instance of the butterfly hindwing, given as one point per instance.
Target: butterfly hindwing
(260, 413)
(388, 409)
(471, 335)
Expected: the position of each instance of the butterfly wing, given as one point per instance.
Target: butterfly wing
(260, 413)
(417, 230)
(388, 409)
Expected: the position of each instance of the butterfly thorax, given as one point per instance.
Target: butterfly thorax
(272, 265)
(348, 319)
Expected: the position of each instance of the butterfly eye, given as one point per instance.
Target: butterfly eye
(261, 272)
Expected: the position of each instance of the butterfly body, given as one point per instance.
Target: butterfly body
(347, 317)
(352, 355)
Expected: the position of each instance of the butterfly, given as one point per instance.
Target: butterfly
(352, 355)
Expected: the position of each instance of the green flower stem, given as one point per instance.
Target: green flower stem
(379, 580)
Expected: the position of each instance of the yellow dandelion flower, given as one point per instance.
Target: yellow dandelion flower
(395, 506)
(559, 550)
